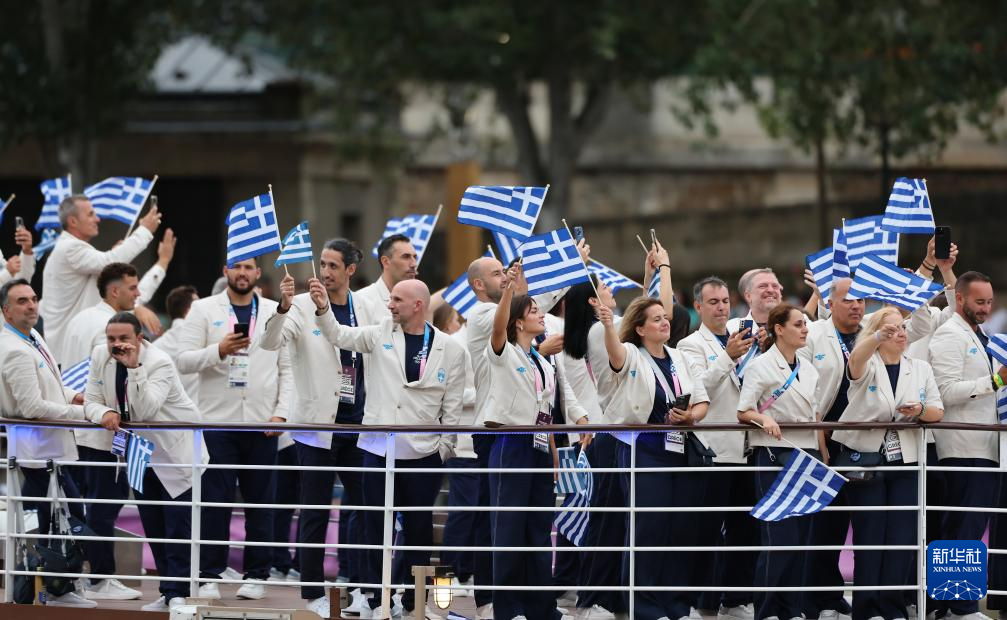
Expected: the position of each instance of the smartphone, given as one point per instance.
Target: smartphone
(682, 402)
(18, 221)
(942, 242)
(746, 324)
(578, 233)
(653, 237)
(241, 328)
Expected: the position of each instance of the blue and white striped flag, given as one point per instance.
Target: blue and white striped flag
(3, 206)
(864, 236)
(654, 288)
(508, 247)
(908, 209)
(997, 347)
(418, 228)
(840, 257)
(53, 193)
(75, 377)
(612, 278)
(828, 265)
(296, 246)
(252, 229)
(460, 296)
(1002, 405)
(137, 459)
(47, 242)
(573, 524)
(119, 198)
(552, 261)
(580, 481)
(878, 279)
(510, 210)
(803, 487)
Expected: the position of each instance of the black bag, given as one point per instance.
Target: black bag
(696, 453)
(852, 458)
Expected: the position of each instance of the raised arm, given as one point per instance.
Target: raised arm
(866, 347)
(498, 337)
(284, 326)
(616, 352)
(359, 339)
(667, 290)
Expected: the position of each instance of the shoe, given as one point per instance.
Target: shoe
(832, 614)
(252, 589)
(741, 612)
(567, 599)
(462, 593)
(342, 579)
(415, 614)
(596, 612)
(70, 599)
(293, 575)
(485, 612)
(320, 606)
(973, 616)
(358, 607)
(694, 614)
(276, 575)
(209, 590)
(159, 605)
(176, 602)
(876, 618)
(111, 590)
(230, 573)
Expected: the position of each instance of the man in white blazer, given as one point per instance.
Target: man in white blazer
(713, 354)
(131, 381)
(177, 305)
(239, 381)
(398, 262)
(20, 266)
(762, 291)
(421, 371)
(68, 282)
(330, 390)
(30, 387)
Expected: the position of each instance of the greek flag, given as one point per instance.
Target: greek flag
(878, 279)
(573, 524)
(509, 247)
(418, 228)
(53, 193)
(137, 459)
(460, 296)
(119, 198)
(908, 209)
(828, 265)
(654, 288)
(864, 236)
(997, 347)
(551, 261)
(46, 243)
(296, 246)
(510, 210)
(612, 278)
(251, 229)
(4, 205)
(574, 481)
(804, 487)
(75, 377)
(1002, 405)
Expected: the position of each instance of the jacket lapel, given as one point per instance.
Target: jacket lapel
(435, 358)
(399, 349)
(905, 380)
(713, 348)
(799, 386)
(884, 384)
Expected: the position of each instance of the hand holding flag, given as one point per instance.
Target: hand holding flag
(296, 247)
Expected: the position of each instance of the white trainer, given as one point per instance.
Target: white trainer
(176, 602)
(567, 599)
(230, 573)
(740, 612)
(485, 612)
(320, 606)
(694, 614)
(973, 616)
(358, 607)
(209, 590)
(276, 575)
(463, 593)
(160, 605)
(111, 590)
(293, 575)
(70, 599)
(595, 612)
(252, 589)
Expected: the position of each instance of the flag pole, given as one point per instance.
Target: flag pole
(583, 262)
(489, 248)
(797, 447)
(272, 200)
(643, 245)
(9, 200)
(69, 182)
(437, 216)
(137, 216)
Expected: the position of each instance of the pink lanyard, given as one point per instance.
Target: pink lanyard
(539, 373)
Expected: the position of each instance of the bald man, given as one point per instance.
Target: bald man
(421, 374)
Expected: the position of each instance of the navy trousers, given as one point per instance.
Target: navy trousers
(459, 530)
(174, 521)
(257, 487)
(36, 484)
(660, 529)
(482, 561)
(821, 568)
(522, 529)
(604, 529)
(316, 488)
(728, 529)
(102, 483)
(411, 489)
(778, 568)
(288, 491)
(997, 568)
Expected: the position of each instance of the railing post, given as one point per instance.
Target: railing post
(8, 544)
(197, 497)
(632, 525)
(921, 527)
(389, 528)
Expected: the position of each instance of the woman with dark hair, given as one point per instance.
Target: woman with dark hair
(522, 388)
(654, 385)
(778, 389)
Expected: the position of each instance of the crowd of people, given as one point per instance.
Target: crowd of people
(392, 353)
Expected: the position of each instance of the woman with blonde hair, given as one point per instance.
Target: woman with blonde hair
(885, 385)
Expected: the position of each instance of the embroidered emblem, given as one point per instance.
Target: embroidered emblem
(632, 373)
(820, 357)
(388, 347)
(218, 323)
(99, 382)
(855, 457)
(316, 332)
(872, 388)
(441, 375)
(521, 369)
(41, 364)
(973, 351)
(712, 358)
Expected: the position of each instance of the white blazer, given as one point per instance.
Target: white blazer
(371, 303)
(710, 363)
(964, 376)
(316, 363)
(872, 399)
(436, 398)
(27, 270)
(70, 281)
(31, 389)
(769, 372)
(269, 383)
(464, 448)
(155, 394)
(82, 335)
(597, 357)
(824, 352)
(920, 349)
(169, 343)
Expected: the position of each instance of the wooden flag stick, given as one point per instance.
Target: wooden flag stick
(583, 262)
(69, 182)
(437, 216)
(489, 248)
(643, 245)
(153, 182)
(9, 200)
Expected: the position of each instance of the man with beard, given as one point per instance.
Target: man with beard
(398, 262)
(239, 381)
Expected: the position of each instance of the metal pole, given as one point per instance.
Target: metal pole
(632, 525)
(8, 544)
(921, 528)
(389, 528)
(197, 496)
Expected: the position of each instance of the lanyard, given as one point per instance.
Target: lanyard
(752, 352)
(659, 375)
(36, 344)
(232, 318)
(542, 383)
(353, 323)
(778, 392)
(842, 345)
(425, 350)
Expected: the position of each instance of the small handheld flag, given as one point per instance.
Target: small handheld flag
(552, 261)
(828, 265)
(1002, 405)
(878, 279)
(573, 524)
(803, 487)
(612, 278)
(137, 459)
(54, 191)
(419, 229)
(48, 241)
(3, 207)
(508, 246)
(75, 377)
(997, 347)
(119, 198)
(460, 296)
(511, 210)
(252, 229)
(908, 209)
(864, 236)
(654, 288)
(296, 246)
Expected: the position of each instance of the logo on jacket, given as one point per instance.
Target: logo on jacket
(521, 369)
(712, 358)
(387, 346)
(441, 375)
(218, 323)
(632, 373)
(872, 388)
(316, 332)
(820, 357)
(973, 350)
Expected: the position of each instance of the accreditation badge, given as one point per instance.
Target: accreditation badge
(541, 440)
(348, 386)
(237, 370)
(675, 442)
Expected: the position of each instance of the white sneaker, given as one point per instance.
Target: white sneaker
(176, 602)
(567, 599)
(159, 605)
(209, 590)
(485, 612)
(426, 614)
(463, 593)
(111, 590)
(276, 575)
(694, 614)
(358, 607)
(596, 612)
(293, 575)
(252, 589)
(320, 606)
(832, 614)
(973, 616)
(741, 612)
(230, 573)
(70, 599)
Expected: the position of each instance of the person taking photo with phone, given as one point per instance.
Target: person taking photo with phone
(23, 265)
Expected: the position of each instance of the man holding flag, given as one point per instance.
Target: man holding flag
(22, 265)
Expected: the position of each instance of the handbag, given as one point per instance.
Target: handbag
(852, 458)
(697, 454)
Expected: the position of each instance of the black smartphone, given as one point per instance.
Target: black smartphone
(578, 233)
(241, 328)
(18, 221)
(942, 242)
(746, 324)
(682, 401)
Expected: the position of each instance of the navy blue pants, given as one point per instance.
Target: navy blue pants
(974, 489)
(101, 483)
(316, 488)
(778, 568)
(728, 529)
(411, 489)
(288, 491)
(257, 487)
(170, 559)
(891, 568)
(482, 561)
(997, 566)
(821, 568)
(604, 529)
(660, 529)
(36, 484)
(459, 530)
(522, 529)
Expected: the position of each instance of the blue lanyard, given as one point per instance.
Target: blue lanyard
(349, 304)
(27, 339)
(251, 319)
(778, 392)
(842, 345)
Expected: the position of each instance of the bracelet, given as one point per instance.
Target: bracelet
(665, 265)
(928, 267)
(998, 380)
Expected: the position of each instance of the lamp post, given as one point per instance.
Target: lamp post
(441, 576)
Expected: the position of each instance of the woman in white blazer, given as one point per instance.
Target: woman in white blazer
(523, 385)
(778, 388)
(651, 382)
(885, 385)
